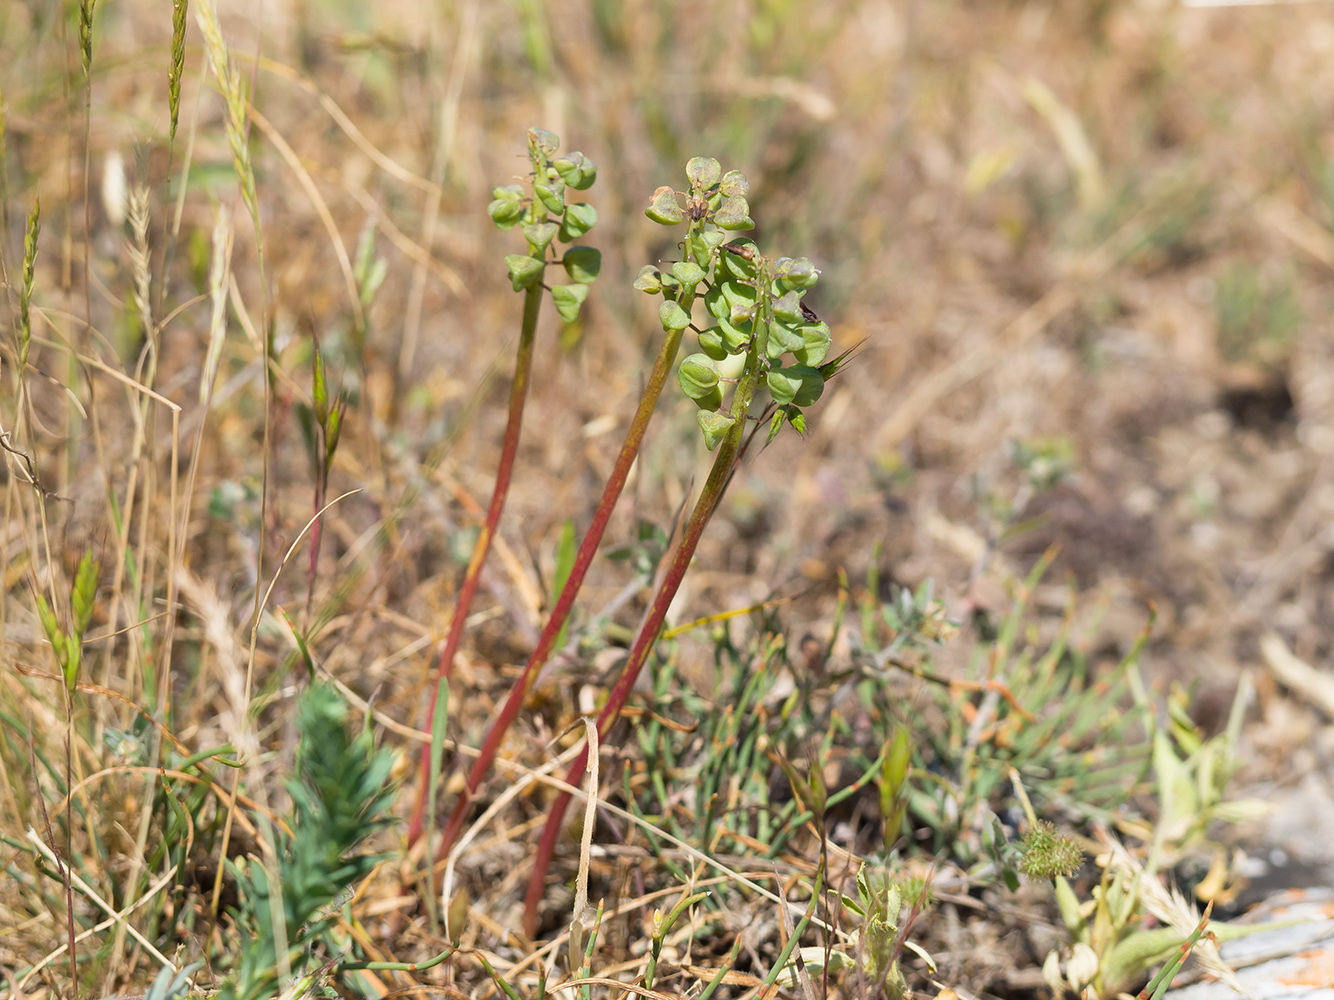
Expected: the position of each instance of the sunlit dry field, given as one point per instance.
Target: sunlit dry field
(1082, 256)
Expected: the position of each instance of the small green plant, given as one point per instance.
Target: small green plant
(340, 796)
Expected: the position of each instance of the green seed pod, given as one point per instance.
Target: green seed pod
(734, 184)
(552, 195)
(717, 303)
(787, 307)
(738, 259)
(698, 376)
(815, 341)
(579, 219)
(703, 172)
(688, 273)
(505, 212)
(508, 192)
(733, 214)
(664, 209)
(735, 338)
(705, 243)
(799, 385)
(801, 273)
(524, 270)
(673, 317)
(711, 343)
(649, 280)
(577, 170)
(540, 234)
(568, 299)
(583, 264)
(784, 335)
(715, 427)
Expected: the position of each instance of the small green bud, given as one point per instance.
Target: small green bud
(673, 317)
(540, 234)
(649, 280)
(688, 273)
(733, 214)
(579, 219)
(544, 142)
(568, 299)
(583, 264)
(703, 172)
(698, 376)
(734, 184)
(711, 343)
(524, 270)
(715, 427)
(664, 209)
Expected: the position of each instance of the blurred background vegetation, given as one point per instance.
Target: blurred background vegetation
(1086, 249)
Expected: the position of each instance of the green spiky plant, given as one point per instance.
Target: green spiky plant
(341, 795)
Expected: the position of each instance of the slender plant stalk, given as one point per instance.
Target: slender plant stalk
(523, 365)
(710, 495)
(560, 613)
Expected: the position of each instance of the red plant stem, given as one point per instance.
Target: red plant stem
(523, 366)
(644, 641)
(560, 613)
(714, 487)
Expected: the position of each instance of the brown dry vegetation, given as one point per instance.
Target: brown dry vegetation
(1103, 226)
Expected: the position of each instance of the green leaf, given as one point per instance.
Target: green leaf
(673, 317)
(715, 427)
(524, 270)
(568, 299)
(734, 184)
(579, 219)
(505, 212)
(335, 428)
(688, 273)
(551, 195)
(583, 264)
(664, 209)
(649, 280)
(565, 553)
(704, 172)
(540, 234)
(734, 214)
(319, 386)
(698, 376)
(48, 617)
(83, 597)
(301, 646)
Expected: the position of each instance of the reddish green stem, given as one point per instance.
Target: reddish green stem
(523, 365)
(709, 497)
(560, 613)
